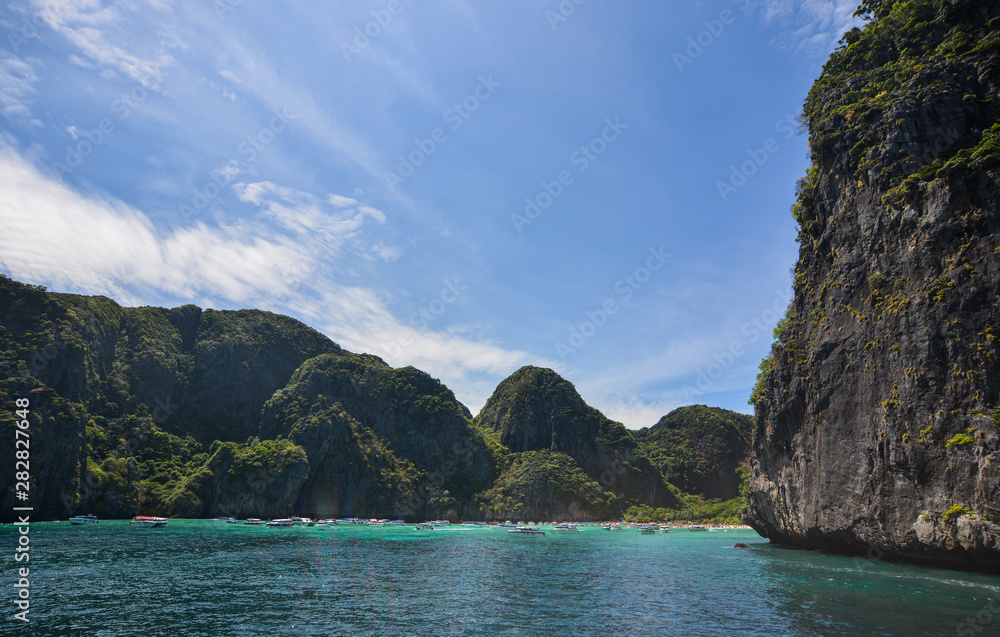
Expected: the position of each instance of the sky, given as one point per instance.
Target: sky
(598, 187)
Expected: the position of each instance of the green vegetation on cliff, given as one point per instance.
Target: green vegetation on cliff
(913, 52)
(884, 372)
(548, 485)
(698, 449)
(193, 413)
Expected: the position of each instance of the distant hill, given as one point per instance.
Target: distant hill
(699, 448)
(535, 409)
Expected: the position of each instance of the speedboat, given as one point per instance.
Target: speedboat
(647, 529)
(326, 523)
(508, 523)
(281, 523)
(145, 520)
(565, 527)
(254, 521)
(716, 527)
(224, 520)
(425, 526)
(302, 522)
(526, 530)
(612, 527)
(90, 518)
(696, 527)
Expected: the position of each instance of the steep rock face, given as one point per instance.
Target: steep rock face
(240, 359)
(536, 409)
(877, 427)
(256, 480)
(106, 383)
(381, 439)
(699, 449)
(36, 341)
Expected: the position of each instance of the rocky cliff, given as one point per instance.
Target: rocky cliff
(123, 399)
(395, 439)
(877, 422)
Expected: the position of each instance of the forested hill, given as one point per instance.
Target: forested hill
(196, 413)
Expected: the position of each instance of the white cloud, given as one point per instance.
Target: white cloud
(340, 201)
(17, 79)
(100, 245)
(386, 253)
(323, 228)
(632, 411)
(358, 320)
(87, 24)
(811, 26)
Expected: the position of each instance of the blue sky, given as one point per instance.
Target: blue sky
(601, 188)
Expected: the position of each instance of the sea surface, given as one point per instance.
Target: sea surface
(196, 577)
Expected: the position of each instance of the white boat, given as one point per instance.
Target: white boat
(281, 523)
(302, 522)
(326, 523)
(716, 527)
(90, 518)
(395, 523)
(224, 520)
(565, 527)
(425, 526)
(147, 521)
(526, 530)
(254, 521)
(508, 523)
(696, 527)
(612, 527)
(647, 529)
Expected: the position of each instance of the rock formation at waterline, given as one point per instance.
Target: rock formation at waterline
(877, 420)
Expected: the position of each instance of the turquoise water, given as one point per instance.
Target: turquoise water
(204, 578)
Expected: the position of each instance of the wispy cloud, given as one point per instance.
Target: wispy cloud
(87, 24)
(255, 74)
(17, 79)
(327, 224)
(98, 244)
(812, 27)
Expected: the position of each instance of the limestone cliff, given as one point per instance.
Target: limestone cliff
(394, 441)
(877, 423)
